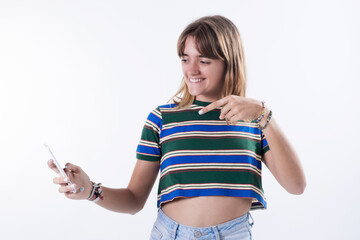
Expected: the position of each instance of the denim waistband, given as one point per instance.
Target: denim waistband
(171, 224)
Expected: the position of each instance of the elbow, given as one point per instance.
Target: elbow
(298, 189)
(137, 205)
(136, 209)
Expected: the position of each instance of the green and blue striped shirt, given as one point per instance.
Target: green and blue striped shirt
(200, 155)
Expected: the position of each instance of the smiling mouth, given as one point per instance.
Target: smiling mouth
(196, 80)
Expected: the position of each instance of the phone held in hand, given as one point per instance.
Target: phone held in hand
(61, 170)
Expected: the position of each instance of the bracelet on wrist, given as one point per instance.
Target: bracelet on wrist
(267, 122)
(262, 112)
(96, 192)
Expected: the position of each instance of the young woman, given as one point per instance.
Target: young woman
(208, 145)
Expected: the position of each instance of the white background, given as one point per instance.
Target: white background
(82, 76)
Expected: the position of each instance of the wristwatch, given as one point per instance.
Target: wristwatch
(96, 192)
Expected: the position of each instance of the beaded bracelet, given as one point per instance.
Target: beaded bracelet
(262, 113)
(267, 122)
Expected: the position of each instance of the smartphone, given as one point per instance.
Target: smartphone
(61, 170)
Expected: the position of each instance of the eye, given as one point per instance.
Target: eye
(184, 60)
(204, 62)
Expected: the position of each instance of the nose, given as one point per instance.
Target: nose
(193, 69)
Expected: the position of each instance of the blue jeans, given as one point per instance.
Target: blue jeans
(167, 229)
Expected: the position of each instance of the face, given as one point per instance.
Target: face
(204, 76)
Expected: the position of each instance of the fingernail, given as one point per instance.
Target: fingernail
(201, 112)
(66, 179)
(81, 189)
(72, 186)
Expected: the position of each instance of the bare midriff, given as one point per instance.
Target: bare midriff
(206, 211)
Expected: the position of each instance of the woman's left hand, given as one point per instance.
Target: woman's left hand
(236, 108)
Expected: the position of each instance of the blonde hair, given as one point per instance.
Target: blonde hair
(216, 37)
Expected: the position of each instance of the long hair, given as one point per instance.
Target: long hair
(215, 37)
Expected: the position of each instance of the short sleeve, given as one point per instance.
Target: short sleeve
(149, 148)
(264, 145)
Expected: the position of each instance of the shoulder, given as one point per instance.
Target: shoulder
(160, 109)
(166, 106)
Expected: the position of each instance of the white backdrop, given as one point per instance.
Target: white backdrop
(82, 76)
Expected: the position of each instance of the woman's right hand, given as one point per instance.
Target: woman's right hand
(77, 177)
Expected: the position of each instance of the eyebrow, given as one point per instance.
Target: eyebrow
(199, 56)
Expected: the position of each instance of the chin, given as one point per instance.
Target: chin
(194, 93)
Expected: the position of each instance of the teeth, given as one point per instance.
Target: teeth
(195, 80)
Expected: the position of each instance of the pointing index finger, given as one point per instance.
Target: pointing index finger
(213, 105)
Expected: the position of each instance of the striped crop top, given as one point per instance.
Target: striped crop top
(200, 155)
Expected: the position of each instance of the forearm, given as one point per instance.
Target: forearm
(284, 162)
(119, 200)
